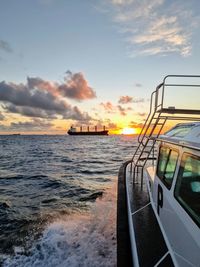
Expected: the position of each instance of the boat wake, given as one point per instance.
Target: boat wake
(87, 239)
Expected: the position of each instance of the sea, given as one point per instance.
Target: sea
(58, 199)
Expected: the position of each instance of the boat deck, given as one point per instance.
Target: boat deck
(147, 240)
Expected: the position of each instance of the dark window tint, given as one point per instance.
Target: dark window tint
(187, 190)
(167, 165)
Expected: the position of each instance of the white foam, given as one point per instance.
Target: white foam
(77, 240)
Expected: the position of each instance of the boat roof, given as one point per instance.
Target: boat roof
(184, 134)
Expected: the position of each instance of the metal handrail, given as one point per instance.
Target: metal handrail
(177, 84)
(151, 102)
(156, 93)
(157, 109)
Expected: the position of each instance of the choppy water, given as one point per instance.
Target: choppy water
(58, 199)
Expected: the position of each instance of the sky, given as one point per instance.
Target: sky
(87, 62)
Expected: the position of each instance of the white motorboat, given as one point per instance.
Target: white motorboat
(159, 188)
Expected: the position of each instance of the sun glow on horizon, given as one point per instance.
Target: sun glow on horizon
(128, 131)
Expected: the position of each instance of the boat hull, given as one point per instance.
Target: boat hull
(88, 133)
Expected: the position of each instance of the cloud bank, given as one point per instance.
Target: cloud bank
(38, 98)
(33, 125)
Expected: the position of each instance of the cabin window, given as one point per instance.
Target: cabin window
(187, 189)
(180, 130)
(167, 165)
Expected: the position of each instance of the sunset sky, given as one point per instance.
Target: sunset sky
(87, 62)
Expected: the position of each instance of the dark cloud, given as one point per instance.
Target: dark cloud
(21, 95)
(141, 114)
(76, 114)
(72, 113)
(125, 99)
(30, 112)
(5, 46)
(138, 100)
(1, 117)
(107, 123)
(122, 110)
(129, 99)
(36, 83)
(134, 124)
(42, 99)
(35, 124)
(31, 125)
(138, 85)
(108, 106)
(3, 127)
(112, 126)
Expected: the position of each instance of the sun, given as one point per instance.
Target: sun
(128, 131)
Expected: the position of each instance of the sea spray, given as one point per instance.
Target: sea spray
(86, 239)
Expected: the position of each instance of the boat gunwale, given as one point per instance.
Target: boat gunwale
(131, 223)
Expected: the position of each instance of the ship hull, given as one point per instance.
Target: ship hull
(88, 133)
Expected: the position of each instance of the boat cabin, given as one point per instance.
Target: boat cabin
(174, 185)
(72, 129)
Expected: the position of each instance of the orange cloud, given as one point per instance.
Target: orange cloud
(108, 106)
(74, 86)
(122, 110)
(125, 99)
(134, 124)
(129, 99)
(141, 114)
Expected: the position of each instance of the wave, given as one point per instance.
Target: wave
(93, 171)
(66, 160)
(4, 205)
(92, 197)
(85, 240)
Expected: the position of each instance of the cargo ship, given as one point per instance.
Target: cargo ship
(73, 131)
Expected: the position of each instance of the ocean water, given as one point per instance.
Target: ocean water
(58, 199)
